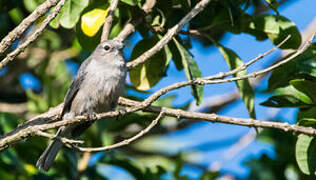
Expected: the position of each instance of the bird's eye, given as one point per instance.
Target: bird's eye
(107, 47)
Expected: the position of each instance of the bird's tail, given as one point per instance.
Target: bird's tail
(47, 158)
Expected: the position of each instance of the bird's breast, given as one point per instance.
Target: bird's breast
(101, 88)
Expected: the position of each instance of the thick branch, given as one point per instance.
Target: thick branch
(22, 27)
(178, 113)
(34, 36)
(108, 21)
(170, 34)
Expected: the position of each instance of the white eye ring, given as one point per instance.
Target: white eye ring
(107, 47)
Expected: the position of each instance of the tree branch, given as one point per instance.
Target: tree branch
(25, 24)
(129, 28)
(170, 34)
(178, 113)
(34, 36)
(124, 142)
(108, 21)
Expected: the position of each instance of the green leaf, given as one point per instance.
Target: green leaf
(284, 101)
(290, 90)
(176, 56)
(70, 13)
(16, 15)
(31, 5)
(305, 86)
(8, 122)
(301, 65)
(245, 90)
(305, 150)
(191, 70)
(277, 29)
(307, 117)
(146, 75)
(130, 2)
(55, 22)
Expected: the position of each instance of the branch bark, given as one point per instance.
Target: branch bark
(108, 21)
(170, 34)
(25, 24)
(34, 36)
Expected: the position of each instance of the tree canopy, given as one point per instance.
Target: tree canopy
(44, 42)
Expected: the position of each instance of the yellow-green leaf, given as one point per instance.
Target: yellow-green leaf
(305, 154)
(245, 90)
(92, 21)
(146, 75)
(191, 70)
(30, 169)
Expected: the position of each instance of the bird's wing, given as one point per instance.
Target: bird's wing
(75, 86)
(71, 93)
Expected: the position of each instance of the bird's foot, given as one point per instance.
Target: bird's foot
(91, 115)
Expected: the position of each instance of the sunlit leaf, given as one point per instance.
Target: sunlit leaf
(191, 70)
(305, 150)
(245, 90)
(284, 101)
(70, 12)
(305, 86)
(146, 75)
(277, 29)
(290, 90)
(30, 169)
(31, 5)
(92, 20)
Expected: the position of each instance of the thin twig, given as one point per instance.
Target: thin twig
(124, 142)
(170, 34)
(34, 36)
(244, 66)
(129, 28)
(108, 21)
(25, 24)
(62, 139)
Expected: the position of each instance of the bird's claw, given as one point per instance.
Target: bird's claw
(91, 115)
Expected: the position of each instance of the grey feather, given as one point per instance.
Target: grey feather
(98, 84)
(71, 93)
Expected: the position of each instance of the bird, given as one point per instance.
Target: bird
(95, 89)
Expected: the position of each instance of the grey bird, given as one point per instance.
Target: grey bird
(96, 88)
